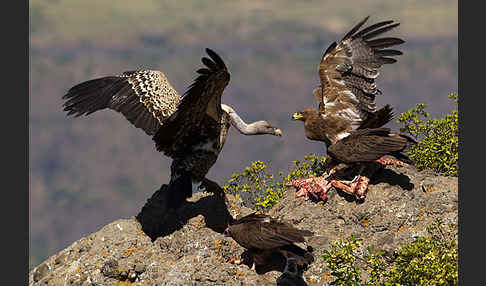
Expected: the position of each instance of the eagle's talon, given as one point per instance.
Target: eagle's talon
(391, 161)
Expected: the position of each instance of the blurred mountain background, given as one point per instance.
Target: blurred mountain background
(87, 172)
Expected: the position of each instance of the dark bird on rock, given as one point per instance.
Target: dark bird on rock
(292, 275)
(347, 99)
(191, 129)
(366, 147)
(269, 241)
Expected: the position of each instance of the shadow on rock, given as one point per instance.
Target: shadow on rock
(158, 220)
(378, 174)
(276, 259)
(265, 261)
(392, 178)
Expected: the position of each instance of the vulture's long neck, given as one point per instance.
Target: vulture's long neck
(239, 124)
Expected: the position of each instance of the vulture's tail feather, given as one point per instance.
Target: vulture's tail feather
(179, 191)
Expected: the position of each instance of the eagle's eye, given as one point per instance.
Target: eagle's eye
(297, 116)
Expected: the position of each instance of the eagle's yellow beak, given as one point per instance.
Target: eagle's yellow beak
(297, 116)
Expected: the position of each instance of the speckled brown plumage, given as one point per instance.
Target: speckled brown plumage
(348, 69)
(347, 72)
(191, 129)
(347, 120)
(144, 97)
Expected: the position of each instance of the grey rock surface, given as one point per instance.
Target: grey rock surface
(400, 203)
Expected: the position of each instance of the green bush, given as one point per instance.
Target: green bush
(262, 190)
(429, 260)
(438, 139)
(342, 261)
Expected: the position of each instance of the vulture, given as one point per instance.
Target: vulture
(269, 241)
(190, 128)
(347, 120)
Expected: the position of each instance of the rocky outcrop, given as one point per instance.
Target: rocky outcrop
(188, 247)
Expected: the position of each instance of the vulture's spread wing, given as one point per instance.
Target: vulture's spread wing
(144, 97)
(203, 97)
(348, 70)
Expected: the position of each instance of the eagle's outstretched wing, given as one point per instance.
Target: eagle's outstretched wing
(348, 70)
(203, 97)
(144, 97)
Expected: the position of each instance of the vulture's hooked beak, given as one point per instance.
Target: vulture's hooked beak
(226, 232)
(297, 116)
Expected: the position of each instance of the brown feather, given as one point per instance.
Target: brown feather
(267, 239)
(144, 97)
(348, 70)
(257, 231)
(348, 90)
(378, 118)
(367, 145)
(205, 93)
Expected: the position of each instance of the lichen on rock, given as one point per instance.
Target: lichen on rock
(400, 203)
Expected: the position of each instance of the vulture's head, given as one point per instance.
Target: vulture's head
(304, 114)
(227, 232)
(263, 127)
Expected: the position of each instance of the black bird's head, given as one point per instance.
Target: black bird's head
(227, 232)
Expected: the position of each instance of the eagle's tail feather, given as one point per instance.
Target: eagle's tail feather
(402, 157)
(402, 154)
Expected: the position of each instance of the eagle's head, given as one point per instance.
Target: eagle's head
(304, 114)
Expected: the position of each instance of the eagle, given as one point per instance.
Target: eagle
(190, 128)
(347, 120)
(269, 240)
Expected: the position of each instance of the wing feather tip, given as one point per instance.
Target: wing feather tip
(216, 58)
